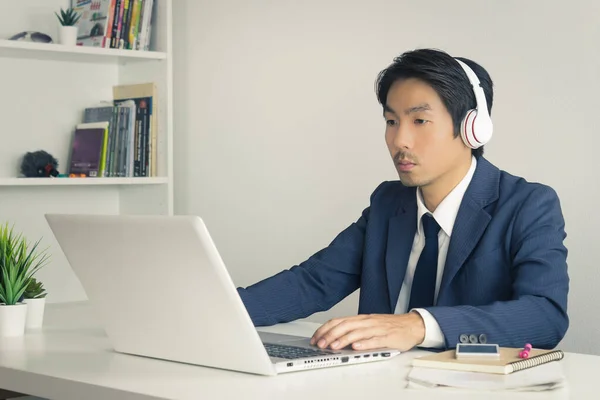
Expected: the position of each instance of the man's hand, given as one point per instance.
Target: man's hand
(365, 332)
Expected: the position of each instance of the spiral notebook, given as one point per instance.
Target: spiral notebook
(508, 362)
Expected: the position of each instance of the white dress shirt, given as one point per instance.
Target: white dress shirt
(444, 214)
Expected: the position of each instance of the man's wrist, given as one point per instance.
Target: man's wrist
(434, 337)
(417, 327)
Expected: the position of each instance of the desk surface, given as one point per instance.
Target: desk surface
(71, 358)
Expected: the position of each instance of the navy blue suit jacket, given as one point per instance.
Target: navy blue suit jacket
(505, 274)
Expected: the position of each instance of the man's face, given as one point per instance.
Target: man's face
(419, 135)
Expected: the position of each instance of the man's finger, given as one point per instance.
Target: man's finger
(357, 335)
(341, 329)
(326, 327)
(323, 329)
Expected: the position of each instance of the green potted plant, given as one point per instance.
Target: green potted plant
(67, 33)
(18, 263)
(35, 298)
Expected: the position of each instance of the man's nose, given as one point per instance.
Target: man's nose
(403, 138)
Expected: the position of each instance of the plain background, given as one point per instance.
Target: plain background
(279, 136)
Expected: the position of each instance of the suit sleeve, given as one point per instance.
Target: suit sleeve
(315, 285)
(537, 311)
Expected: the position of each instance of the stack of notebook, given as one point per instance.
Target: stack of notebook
(509, 372)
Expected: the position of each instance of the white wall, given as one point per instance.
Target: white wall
(279, 137)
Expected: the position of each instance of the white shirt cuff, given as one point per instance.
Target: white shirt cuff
(434, 337)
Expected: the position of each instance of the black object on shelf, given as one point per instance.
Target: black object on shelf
(39, 164)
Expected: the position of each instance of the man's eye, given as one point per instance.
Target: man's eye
(420, 121)
(391, 122)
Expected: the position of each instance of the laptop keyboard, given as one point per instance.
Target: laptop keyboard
(292, 352)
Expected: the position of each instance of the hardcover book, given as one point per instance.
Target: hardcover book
(88, 149)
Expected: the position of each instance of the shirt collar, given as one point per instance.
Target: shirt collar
(445, 213)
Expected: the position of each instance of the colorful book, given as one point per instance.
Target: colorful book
(95, 22)
(88, 149)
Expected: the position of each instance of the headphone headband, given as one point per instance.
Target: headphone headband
(477, 89)
(476, 127)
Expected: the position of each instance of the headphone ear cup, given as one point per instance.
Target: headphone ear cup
(467, 127)
(475, 130)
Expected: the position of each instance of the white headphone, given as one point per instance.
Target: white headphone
(476, 128)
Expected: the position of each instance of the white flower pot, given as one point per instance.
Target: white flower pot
(67, 35)
(35, 313)
(12, 319)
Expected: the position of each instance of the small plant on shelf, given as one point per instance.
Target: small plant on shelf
(68, 26)
(68, 17)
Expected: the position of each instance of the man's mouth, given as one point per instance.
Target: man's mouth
(405, 165)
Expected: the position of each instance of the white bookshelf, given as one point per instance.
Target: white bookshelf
(45, 88)
(58, 52)
(82, 181)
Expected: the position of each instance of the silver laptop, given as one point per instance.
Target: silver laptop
(161, 290)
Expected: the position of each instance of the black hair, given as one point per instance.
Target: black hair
(445, 76)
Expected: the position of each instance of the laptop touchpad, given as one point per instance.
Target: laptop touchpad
(270, 337)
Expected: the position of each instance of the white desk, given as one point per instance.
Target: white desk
(71, 359)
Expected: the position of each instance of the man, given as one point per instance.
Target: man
(456, 250)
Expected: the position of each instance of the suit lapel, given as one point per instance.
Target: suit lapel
(401, 233)
(471, 221)
(470, 224)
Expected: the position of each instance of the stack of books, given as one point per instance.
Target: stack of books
(116, 24)
(542, 371)
(117, 138)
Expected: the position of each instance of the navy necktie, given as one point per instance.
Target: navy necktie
(423, 286)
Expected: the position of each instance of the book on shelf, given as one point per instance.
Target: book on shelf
(88, 149)
(144, 142)
(117, 24)
(130, 147)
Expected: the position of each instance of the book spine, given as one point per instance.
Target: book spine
(146, 133)
(102, 169)
(131, 137)
(113, 142)
(138, 141)
(119, 139)
(109, 25)
(124, 43)
(123, 144)
(135, 22)
(153, 147)
(148, 25)
(140, 28)
(116, 25)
